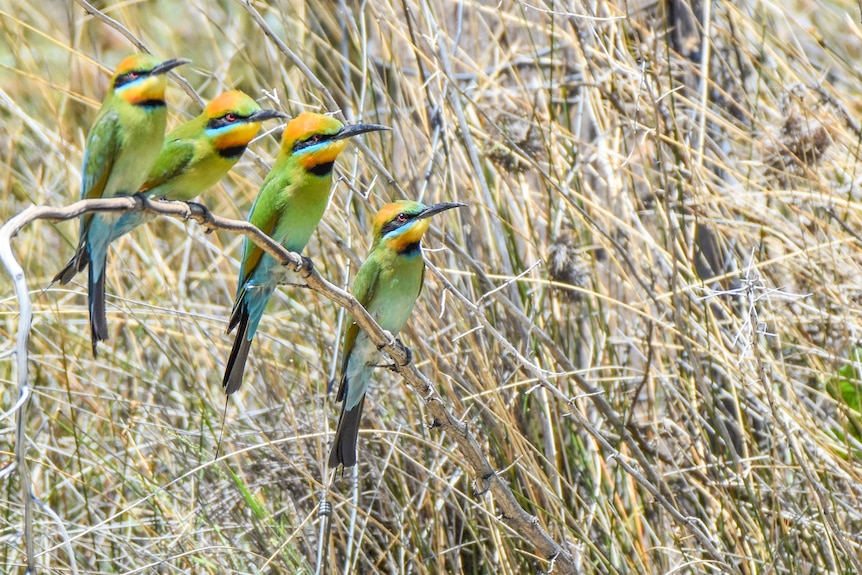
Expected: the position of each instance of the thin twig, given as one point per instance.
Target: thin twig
(653, 483)
(16, 272)
(822, 496)
(300, 64)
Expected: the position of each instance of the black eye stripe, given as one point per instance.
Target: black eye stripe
(223, 121)
(129, 77)
(397, 222)
(311, 141)
(389, 227)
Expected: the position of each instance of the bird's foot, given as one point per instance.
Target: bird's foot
(390, 340)
(306, 267)
(202, 215)
(398, 344)
(142, 199)
(408, 354)
(481, 485)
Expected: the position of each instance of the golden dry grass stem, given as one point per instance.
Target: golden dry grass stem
(649, 315)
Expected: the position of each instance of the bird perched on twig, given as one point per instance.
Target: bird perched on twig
(386, 285)
(122, 146)
(196, 155)
(288, 207)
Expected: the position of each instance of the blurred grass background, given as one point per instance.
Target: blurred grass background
(676, 220)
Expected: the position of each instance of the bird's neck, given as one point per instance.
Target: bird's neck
(398, 246)
(231, 141)
(231, 152)
(148, 93)
(322, 169)
(410, 250)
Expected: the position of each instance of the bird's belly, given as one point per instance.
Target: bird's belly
(270, 273)
(394, 312)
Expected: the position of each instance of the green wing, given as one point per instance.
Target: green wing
(176, 156)
(364, 288)
(103, 145)
(265, 214)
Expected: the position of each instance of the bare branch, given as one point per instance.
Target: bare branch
(25, 317)
(511, 512)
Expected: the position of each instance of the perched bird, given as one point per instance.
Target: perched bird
(122, 145)
(197, 154)
(386, 285)
(288, 207)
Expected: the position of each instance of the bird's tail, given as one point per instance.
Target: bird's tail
(241, 346)
(346, 434)
(77, 264)
(98, 322)
(247, 310)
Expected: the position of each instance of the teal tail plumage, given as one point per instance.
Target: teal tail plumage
(98, 240)
(98, 321)
(247, 313)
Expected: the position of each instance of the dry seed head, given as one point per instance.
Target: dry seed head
(566, 266)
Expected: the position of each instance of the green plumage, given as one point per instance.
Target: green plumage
(198, 153)
(387, 285)
(288, 208)
(121, 147)
(187, 165)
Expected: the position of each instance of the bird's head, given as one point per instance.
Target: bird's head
(233, 119)
(315, 140)
(139, 79)
(401, 224)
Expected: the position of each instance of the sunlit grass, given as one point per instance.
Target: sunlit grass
(672, 242)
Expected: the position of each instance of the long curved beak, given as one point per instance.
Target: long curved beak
(169, 65)
(356, 129)
(262, 115)
(437, 208)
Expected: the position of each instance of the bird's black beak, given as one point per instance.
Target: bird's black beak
(168, 65)
(356, 129)
(262, 115)
(437, 208)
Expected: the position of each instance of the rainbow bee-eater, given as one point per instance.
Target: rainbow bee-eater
(197, 154)
(387, 285)
(122, 146)
(288, 208)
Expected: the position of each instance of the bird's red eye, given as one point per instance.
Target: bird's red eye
(133, 75)
(231, 117)
(401, 218)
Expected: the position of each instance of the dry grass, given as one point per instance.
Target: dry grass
(689, 248)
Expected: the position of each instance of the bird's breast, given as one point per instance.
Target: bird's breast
(394, 301)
